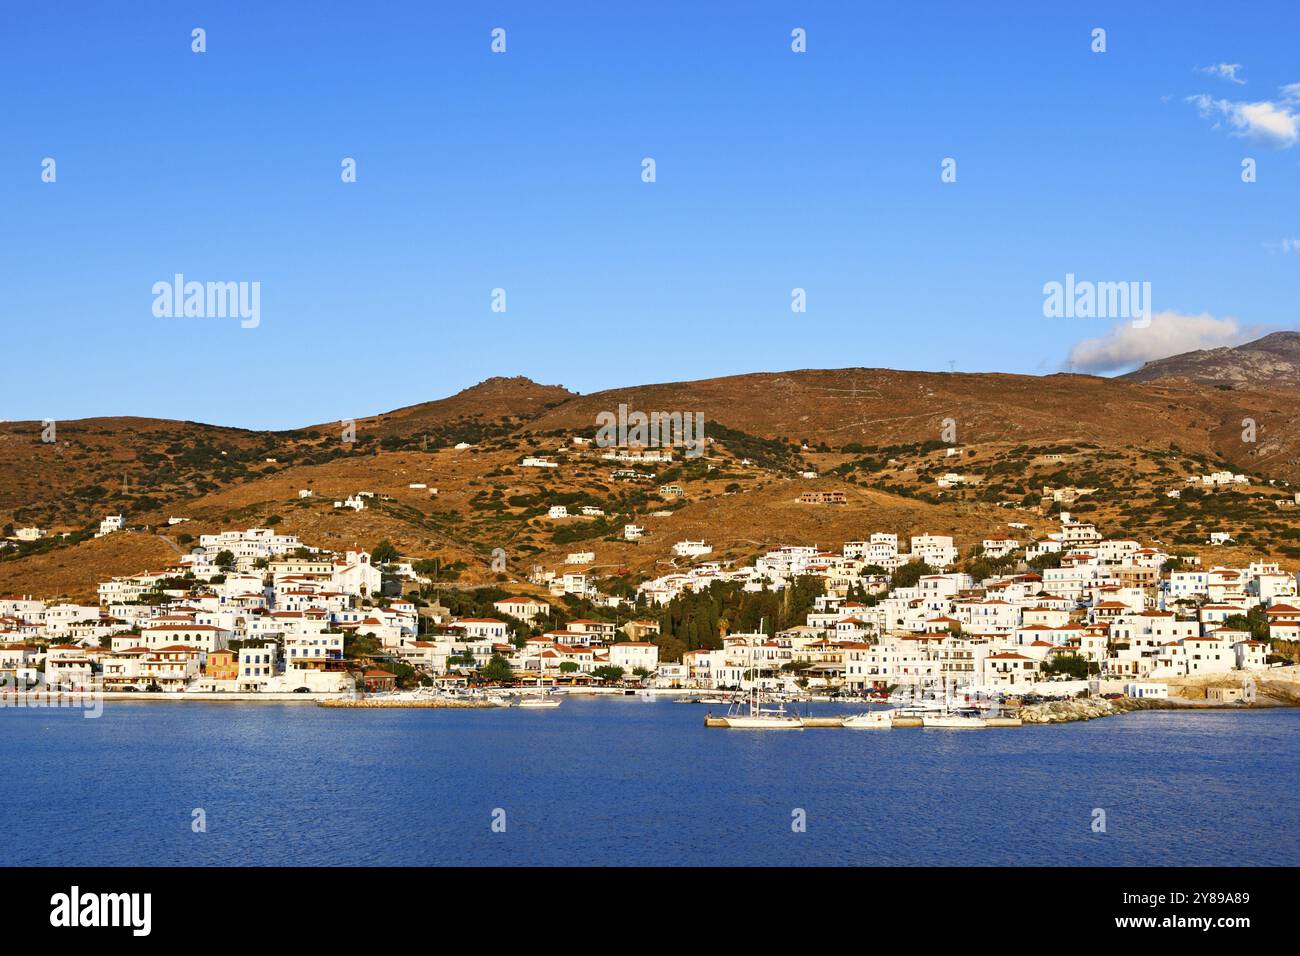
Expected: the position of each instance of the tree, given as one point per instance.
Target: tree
(608, 673)
(568, 667)
(226, 560)
(383, 552)
(907, 575)
(360, 645)
(406, 675)
(1048, 559)
(1070, 664)
(497, 670)
(1255, 621)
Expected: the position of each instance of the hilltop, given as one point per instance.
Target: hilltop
(1270, 362)
(878, 436)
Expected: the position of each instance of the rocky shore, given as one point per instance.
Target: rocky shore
(1088, 708)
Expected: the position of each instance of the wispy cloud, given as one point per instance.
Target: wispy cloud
(1124, 347)
(1276, 120)
(1225, 71)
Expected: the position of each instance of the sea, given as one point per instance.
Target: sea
(635, 782)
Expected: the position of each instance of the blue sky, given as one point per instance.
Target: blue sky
(522, 171)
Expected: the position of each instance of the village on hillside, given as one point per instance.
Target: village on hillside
(254, 611)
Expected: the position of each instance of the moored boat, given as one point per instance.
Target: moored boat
(870, 720)
(549, 698)
(954, 720)
(538, 702)
(752, 715)
(765, 718)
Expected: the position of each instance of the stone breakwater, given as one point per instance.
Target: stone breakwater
(429, 704)
(1087, 708)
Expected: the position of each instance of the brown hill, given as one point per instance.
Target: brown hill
(497, 399)
(885, 407)
(875, 434)
(72, 573)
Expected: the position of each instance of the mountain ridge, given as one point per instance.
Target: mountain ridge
(1271, 361)
(449, 480)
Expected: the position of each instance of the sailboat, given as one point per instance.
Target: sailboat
(538, 702)
(870, 720)
(752, 715)
(948, 719)
(546, 700)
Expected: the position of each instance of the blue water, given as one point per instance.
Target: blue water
(625, 781)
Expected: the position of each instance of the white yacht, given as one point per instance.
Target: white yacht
(764, 718)
(538, 702)
(870, 720)
(752, 715)
(954, 721)
(948, 718)
(546, 700)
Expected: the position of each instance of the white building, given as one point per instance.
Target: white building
(523, 608)
(257, 666)
(634, 655)
(109, 524)
(936, 550)
(999, 547)
(692, 549)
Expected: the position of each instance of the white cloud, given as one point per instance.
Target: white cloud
(1225, 71)
(1125, 347)
(1275, 120)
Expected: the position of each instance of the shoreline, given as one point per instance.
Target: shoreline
(433, 704)
(74, 699)
(1048, 712)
